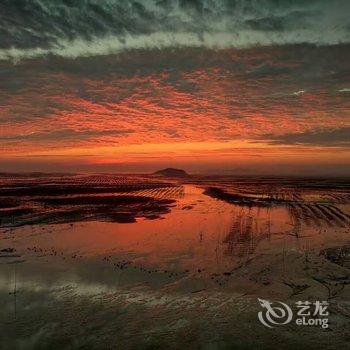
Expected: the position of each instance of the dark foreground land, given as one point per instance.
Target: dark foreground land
(150, 262)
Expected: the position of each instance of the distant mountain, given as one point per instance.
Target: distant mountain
(171, 172)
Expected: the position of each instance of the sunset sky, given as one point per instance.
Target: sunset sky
(275, 109)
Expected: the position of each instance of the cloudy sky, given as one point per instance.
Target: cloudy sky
(268, 108)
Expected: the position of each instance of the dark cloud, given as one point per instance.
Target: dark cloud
(65, 134)
(337, 137)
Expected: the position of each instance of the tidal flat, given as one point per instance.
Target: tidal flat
(146, 262)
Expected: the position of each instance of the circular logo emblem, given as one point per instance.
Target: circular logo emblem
(274, 313)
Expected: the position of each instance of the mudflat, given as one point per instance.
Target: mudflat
(108, 261)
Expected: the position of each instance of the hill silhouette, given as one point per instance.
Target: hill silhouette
(171, 172)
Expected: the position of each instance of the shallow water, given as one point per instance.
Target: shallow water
(201, 235)
(205, 254)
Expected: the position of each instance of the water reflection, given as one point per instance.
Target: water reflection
(203, 257)
(246, 233)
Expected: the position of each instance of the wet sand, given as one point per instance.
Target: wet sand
(186, 278)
